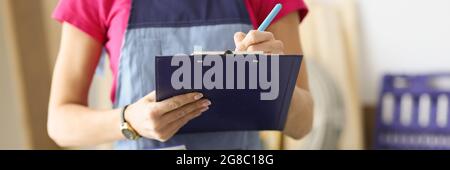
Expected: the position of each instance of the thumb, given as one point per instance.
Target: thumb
(238, 37)
(151, 97)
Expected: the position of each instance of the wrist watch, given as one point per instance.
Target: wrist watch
(126, 128)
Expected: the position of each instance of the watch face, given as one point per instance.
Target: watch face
(128, 134)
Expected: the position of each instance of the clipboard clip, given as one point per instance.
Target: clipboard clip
(225, 52)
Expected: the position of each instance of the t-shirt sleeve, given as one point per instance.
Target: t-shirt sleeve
(259, 9)
(86, 15)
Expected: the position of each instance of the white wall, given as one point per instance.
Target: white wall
(402, 36)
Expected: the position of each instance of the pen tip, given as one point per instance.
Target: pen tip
(278, 5)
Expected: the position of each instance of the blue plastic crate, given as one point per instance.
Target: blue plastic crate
(413, 112)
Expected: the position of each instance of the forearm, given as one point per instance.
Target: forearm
(77, 125)
(300, 115)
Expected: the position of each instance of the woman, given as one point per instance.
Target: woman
(133, 32)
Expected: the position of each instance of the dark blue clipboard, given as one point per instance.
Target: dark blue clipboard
(236, 109)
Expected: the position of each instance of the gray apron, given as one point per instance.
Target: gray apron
(171, 27)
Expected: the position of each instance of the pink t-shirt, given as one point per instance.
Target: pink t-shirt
(106, 20)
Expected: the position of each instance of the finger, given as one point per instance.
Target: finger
(151, 97)
(238, 37)
(173, 127)
(176, 102)
(273, 46)
(184, 111)
(255, 37)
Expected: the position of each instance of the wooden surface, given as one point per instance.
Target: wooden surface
(27, 38)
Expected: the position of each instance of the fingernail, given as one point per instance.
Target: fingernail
(198, 114)
(206, 103)
(198, 96)
(204, 109)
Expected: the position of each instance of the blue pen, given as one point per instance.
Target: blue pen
(270, 17)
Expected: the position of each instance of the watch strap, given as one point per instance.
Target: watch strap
(122, 114)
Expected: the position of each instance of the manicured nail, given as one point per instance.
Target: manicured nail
(206, 103)
(198, 114)
(198, 96)
(204, 109)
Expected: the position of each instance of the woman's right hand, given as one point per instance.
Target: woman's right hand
(161, 120)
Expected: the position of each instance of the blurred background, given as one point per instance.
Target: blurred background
(371, 62)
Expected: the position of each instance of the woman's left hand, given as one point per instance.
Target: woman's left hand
(258, 41)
